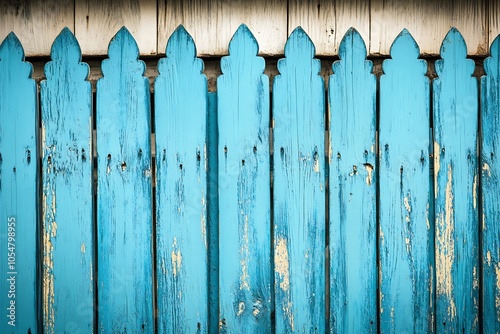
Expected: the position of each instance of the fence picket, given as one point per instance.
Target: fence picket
(18, 190)
(456, 179)
(124, 191)
(353, 237)
(244, 189)
(405, 244)
(299, 189)
(181, 195)
(490, 123)
(68, 247)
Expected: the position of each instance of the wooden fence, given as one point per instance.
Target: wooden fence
(370, 207)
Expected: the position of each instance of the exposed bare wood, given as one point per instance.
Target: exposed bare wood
(97, 21)
(36, 23)
(212, 23)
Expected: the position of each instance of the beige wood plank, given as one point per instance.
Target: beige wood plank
(36, 23)
(97, 21)
(493, 20)
(212, 23)
(326, 21)
(428, 21)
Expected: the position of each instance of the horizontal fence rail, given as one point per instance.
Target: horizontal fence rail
(367, 207)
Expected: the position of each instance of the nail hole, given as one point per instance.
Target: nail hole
(198, 156)
(386, 147)
(366, 152)
(443, 150)
(140, 154)
(49, 160)
(225, 149)
(282, 150)
(180, 166)
(109, 156)
(401, 169)
(14, 169)
(492, 155)
(339, 155)
(84, 157)
(243, 162)
(124, 166)
(28, 158)
(255, 149)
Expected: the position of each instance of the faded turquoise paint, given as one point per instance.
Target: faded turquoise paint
(181, 194)
(244, 189)
(406, 244)
(213, 214)
(68, 256)
(455, 173)
(353, 237)
(124, 191)
(490, 123)
(299, 189)
(18, 190)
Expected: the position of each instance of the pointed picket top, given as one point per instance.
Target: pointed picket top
(66, 55)
(404, 50)
(243, 42)
(299, 49)
(12, 52)
(352, 49)
(491, 64)
(123, 50)
(453, 53)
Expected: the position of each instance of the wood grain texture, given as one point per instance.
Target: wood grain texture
(456, 179)
(428, 21)
(244, 188)
(353, 226)
(124, 196)
(18, 190)
(181, 193)
(327, 21)
(68, 247)
(405, 232)
(212, 23)
(490, 144)
(299, 189)
(36, 23)
(96, 22)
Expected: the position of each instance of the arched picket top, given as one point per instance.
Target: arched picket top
(456, 181)
(181, 103)
(490, 145)
(18, 188)
(66, 95)
(244, 192)
(299, 184)
(405, 235)
(124, 196)
(352, 179)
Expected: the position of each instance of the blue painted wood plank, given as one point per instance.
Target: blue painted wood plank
(124, 191)
(299, 189)
(455, 99)
(181, 193)
(68, 256)
(244, 189)
(213, 213)
(490, 144)
(405, 234)
(353, 225)
(18, 190)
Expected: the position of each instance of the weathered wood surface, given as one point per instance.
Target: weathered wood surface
(244, 189)
(68, 247)
(19, 176)
(405, 234)
(456, 180)
(299, 189)
(428, 22)
(326, 21)
(98, 20)
(124, 191)
(36, 22)
(212, 23)
(353, 225)
(490, 123)
(181, 193)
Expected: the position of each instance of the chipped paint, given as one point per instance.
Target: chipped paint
(287, 309)
(316, 165)
(486, 169)
(282, 264)
(407, 205)
(255, 312)
(437, 166)
(475, 281)
(82, 248)
(446, 251)
(203, 221)
(176, 259)
(369, 170)
(488, 258)
(427, 217)
(244, 258)
(241, 309)
(474, 192)
(431, 287)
